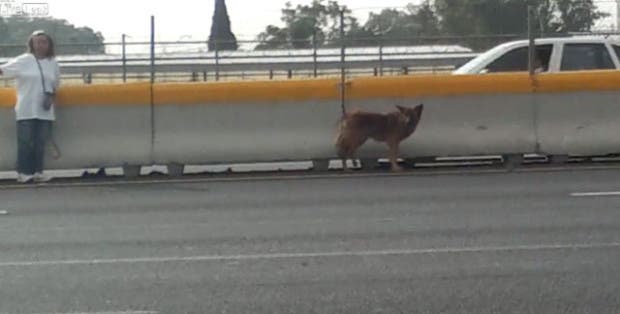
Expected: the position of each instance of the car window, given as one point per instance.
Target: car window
(516, 60)
(617, 51)
(586, 57)
(470, 66)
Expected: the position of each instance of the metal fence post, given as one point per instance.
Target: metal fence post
(530, 35)
(314, 55)
(124, 54)
(381, 58)
(342, 65)
(152, 49)
(217, 61)
(152, 94)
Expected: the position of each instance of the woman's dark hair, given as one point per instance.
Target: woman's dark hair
(50, 51)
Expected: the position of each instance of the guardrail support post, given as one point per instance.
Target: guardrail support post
(175, 169)
(131, 171)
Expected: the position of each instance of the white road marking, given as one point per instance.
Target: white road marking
(274, 256)
(121, 312)
(305, 175)
(595, 194)
(255, 177)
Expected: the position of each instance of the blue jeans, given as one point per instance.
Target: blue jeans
(32, 135)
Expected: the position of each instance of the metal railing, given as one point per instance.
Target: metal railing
(191, 60)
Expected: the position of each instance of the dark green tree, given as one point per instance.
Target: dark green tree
(476, 17)
(319, 21)
(492, 17)
(573, 16)
(462, 17)
(478, 24)
(395, 27)
(15, 30)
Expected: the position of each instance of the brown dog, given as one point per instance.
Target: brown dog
(392, 128)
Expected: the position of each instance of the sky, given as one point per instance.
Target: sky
(185, 19)
(191, 19)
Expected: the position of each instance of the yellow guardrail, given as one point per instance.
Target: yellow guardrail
(328, 89)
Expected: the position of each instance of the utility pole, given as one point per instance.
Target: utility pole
(530, 35)
(343, 73)
(618, 15)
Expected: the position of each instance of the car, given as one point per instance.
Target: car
(552, 55)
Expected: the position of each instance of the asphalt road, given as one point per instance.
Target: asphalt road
(477, 243)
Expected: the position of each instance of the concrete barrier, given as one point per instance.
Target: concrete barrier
(245, 122)
(8, 139)
(276, 121)
(473, 115)
(96, 126)
(578, 113)
(204, 123)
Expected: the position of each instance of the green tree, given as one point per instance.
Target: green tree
(392, 26)
(319, 21)
(470, 21)
(574, 16)
(476, 17)
(492, 17)
(68, 38)
(222, 37)
(510, 16)
(4, 31)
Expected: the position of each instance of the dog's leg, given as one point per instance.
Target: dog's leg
(353, 144)
(393, 145)
(343, 149)
(343, 153)
(344, 165)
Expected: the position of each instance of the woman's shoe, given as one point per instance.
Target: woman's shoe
(41, 177)
(25, 178)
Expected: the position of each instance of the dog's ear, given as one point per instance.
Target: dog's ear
(419, 108)
(402, 109)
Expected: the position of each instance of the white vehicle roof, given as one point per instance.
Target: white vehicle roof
(566, 40)
(502, 48)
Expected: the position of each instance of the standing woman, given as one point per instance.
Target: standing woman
(38, 77)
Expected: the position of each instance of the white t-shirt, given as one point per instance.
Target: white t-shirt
(29, 90)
